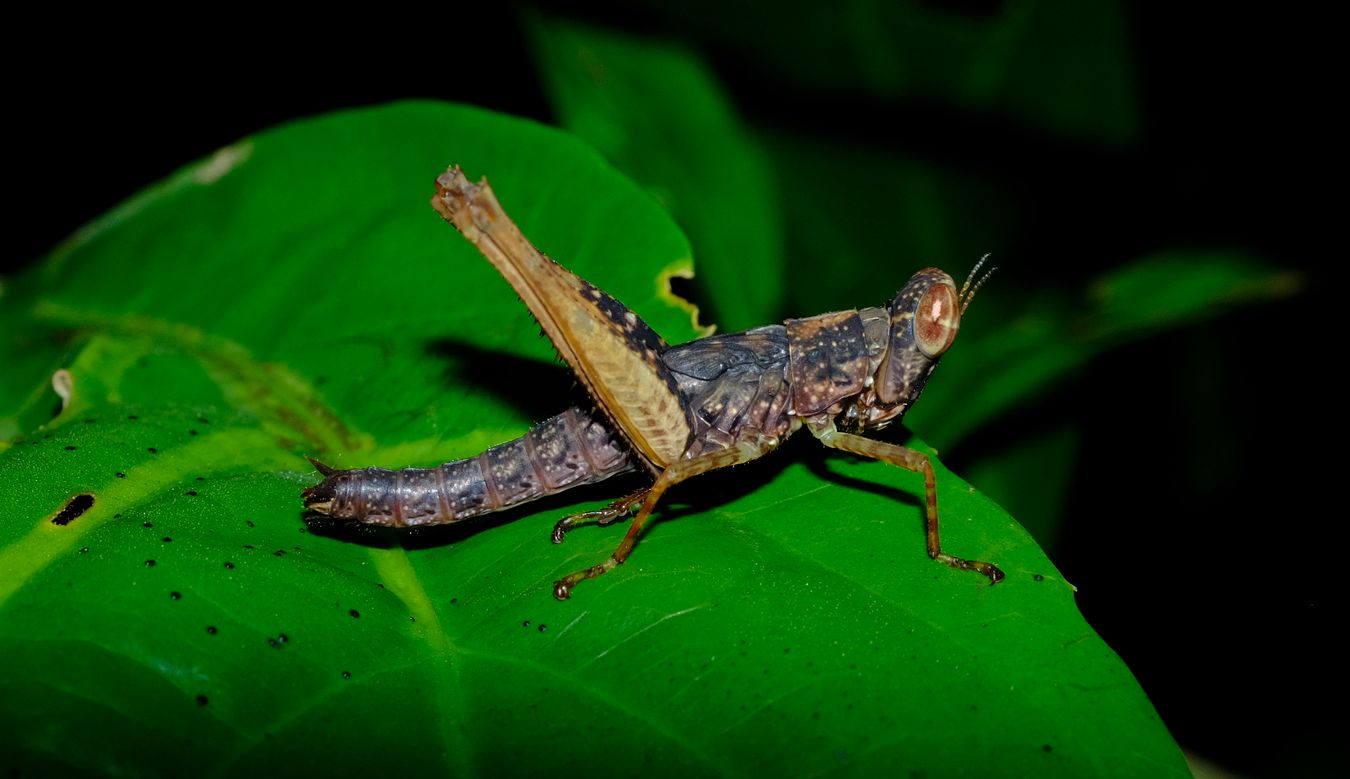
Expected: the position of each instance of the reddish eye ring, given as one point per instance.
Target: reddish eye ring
(937, 319)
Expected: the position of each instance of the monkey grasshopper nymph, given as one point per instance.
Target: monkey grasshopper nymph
(673, 411)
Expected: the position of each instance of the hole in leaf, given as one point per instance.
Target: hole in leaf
(72, 510)
(679, 289)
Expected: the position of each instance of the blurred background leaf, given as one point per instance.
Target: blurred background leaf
(657, 111)
(1055, 65)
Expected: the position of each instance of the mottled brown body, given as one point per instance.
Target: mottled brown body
(675, 411)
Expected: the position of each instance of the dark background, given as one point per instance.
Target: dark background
(1228, 620)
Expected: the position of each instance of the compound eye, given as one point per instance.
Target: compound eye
(937, 319)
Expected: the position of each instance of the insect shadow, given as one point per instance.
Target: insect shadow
(535, 388)
(818, 460)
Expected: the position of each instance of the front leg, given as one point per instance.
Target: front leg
(917, 462)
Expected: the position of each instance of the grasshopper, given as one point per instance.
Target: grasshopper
(673, 411)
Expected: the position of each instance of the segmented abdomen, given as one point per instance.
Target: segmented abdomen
(569, 450)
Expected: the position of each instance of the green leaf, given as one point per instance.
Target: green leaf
(656, 111)
(296, 294)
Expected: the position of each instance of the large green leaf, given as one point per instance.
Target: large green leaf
(295, 294)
